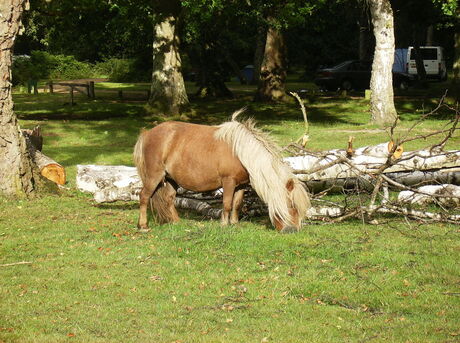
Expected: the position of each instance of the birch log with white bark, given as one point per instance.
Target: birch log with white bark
(112, 183)
(335, 164)
(337, 212)
(446, 195)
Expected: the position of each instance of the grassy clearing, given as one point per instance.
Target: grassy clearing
(92, 278)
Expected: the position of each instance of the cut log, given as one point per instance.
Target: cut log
(94, 178)
(49, 168)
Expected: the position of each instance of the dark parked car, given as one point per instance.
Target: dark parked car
(354, 75)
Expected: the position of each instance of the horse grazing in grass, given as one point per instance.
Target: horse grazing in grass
(202, 158)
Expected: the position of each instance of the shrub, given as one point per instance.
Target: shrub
(43, 65)
(123, 70)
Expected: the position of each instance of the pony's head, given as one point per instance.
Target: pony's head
(298, 202)
(270, 177)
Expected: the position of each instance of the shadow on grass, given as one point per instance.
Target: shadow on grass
(106, 130)
(212, 112)
(58, 107)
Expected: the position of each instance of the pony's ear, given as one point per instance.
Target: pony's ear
(290, 185)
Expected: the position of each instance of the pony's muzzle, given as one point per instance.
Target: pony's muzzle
(289, 229)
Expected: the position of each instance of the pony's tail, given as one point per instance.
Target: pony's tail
(138, 156)
(162, 204)
(162, 199)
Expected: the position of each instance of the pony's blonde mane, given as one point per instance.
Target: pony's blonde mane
(267, 172)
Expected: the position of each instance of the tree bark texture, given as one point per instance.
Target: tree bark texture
(17, 176)
(383, 110)
(168, 92)
(446, 195)
(272, 76)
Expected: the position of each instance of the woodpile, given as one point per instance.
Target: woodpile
(321, 172)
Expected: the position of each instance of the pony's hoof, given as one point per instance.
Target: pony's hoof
(143, 229)
(289, 229)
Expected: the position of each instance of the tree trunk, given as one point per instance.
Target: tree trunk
(364, 35)
(456, 66)
(18, 175)
(383, 110)
(259, 51)
(421, 72)
(272, 77)
(210, 79)
(168, 92)
(430, 35)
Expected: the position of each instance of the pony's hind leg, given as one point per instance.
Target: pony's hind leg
(228, 185)
(236, 206)
(144, 196)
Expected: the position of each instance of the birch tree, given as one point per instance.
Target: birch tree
(383, 110)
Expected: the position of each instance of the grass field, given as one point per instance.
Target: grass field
(90, 277)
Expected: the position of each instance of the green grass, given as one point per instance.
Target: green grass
(93, 278)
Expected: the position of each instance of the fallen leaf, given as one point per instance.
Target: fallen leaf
(156, 278)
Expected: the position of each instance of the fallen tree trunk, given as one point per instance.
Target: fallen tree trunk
(122, 183)
(336, 164)
(336, 213)
(112, 183)
(367, 182)
(445, 195)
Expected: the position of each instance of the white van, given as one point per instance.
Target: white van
(433, 60)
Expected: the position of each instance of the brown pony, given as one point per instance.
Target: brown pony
(203, 158)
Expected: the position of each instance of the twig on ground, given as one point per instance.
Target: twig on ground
(14, 264)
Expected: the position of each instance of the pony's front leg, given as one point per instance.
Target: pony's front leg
(236, 206)
(228, 185)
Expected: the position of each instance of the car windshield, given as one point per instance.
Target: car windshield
(341, 65)
(427, 53)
